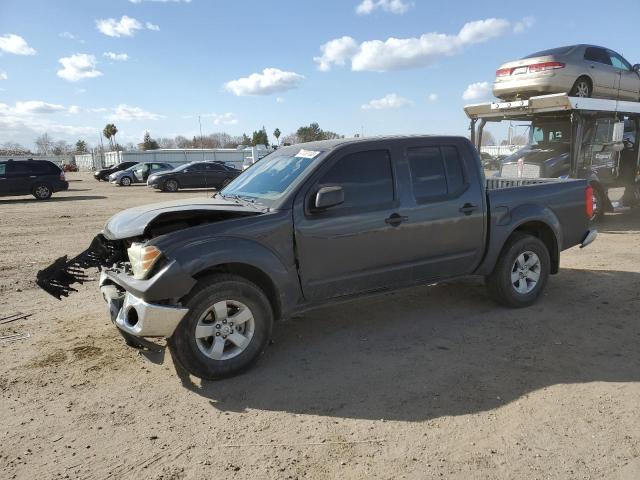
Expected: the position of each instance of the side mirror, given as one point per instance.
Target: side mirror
(329, 197)
(636, 68)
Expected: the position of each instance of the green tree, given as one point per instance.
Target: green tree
(109, 131)
(277, 133)
(245, 139)
(148, 143)
(260, 138)
(81, 146)
(313, 133)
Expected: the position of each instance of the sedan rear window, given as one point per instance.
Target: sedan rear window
(551, 51)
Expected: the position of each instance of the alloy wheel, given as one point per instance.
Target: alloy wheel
(525, 272)
(225, 330)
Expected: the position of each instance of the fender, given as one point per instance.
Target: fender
(201, 254)
(506, 222)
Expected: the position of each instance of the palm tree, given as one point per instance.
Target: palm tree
(109, 132)
(276, 133)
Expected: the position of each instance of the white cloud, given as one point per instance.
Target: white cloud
(78, 66)
(523, 25)
(125, 27)
(271, 80)
(405, 53)
(432, 97)
(222, 118)
(336, 52)
(151, 26)
(70, 36)
(36, 106)
(391, 101)
(12, 43)
(29, 117)
(280, 100)
(121, 57)
(476, 91)
(4, 76)
(126, 113)
(390, 6)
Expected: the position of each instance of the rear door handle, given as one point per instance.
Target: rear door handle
(395, 219)
(468, 208)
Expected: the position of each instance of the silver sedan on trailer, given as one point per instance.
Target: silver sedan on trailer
(579, 70)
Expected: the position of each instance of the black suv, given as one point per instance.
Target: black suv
(103, 173)
(39, 178)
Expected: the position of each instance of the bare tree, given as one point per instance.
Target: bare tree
(165, 142)
(44, 144)
(12, 148)
(61, 147)
(183, 142)
(488, 138)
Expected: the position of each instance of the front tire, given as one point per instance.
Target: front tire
(521, 272)
(125, 181)
(42, 191)
(227, 328)
(170, 185)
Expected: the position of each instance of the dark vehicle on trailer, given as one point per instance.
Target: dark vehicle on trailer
(318, 223)
(103, 173)
(40, 178)
(570, 137)
(194, 175)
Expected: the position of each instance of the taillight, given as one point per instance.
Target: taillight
(541, 67)
(503, 72)
(588, 201)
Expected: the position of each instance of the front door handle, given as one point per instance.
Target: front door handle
(395, 219)
(468, 208)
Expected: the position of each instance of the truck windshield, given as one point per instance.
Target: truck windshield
(270, 178)
(549, 133)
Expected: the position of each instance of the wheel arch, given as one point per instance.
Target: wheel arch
(252, 274)
(545, 233)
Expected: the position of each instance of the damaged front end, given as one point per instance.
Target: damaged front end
(57, 279)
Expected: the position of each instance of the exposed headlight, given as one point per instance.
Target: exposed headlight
(142, 259)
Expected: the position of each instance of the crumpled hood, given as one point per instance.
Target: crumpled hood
(134, 221)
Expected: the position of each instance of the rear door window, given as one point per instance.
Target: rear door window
(366, 178)
(599, 55)
(18, 169)
(436, 172)
(3, 168)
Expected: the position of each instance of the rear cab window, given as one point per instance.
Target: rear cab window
(366, 177)
(437, 172)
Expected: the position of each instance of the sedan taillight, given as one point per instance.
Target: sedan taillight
(541, 67)
(503, 72)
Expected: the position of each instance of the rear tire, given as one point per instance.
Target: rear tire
(582, 88)
(42, 191)
(170, 185)
(231, 348)
(125, 181)
(521, 273)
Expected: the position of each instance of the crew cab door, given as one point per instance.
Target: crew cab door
(356, 246)
(444, 207)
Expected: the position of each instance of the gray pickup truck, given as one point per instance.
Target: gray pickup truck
(318, 222)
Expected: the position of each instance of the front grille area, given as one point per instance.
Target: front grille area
(515, 170)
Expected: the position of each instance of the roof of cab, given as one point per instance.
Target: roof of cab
(325, 145)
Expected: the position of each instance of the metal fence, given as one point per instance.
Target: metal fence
(57, 159)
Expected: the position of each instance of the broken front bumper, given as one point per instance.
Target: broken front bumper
(137, 317)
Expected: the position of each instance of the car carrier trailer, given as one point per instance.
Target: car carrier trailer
(571, 137)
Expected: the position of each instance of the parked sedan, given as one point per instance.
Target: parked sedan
(579, 70)
(139, 173)
(103, 174)
(194, 175)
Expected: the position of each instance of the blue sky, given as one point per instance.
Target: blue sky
(245, 64)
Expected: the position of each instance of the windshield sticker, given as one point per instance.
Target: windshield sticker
(307, 154)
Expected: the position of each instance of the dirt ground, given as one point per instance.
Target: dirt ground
(433, 382)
